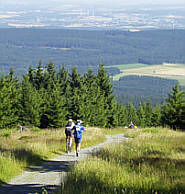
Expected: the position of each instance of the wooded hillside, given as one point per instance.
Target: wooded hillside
(23, 47)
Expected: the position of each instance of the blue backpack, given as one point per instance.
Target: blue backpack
(78, 131)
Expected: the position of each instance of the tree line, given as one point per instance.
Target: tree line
(137, 89)
(47, 98)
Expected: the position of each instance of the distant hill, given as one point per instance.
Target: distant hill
(143, 89)
(22, 47)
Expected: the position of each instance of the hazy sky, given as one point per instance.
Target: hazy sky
(126, 2)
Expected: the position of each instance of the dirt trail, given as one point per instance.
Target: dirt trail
(51, 173)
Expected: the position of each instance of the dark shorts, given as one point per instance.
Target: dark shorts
(78, 140)
(69, 133)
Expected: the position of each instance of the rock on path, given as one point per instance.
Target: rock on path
(51, 173)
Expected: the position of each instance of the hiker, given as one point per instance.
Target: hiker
(131, 126)
(78, 128)
(69, 134)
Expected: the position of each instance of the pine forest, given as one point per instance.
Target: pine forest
(47, 98)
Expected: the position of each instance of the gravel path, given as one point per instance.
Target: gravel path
(51, 173)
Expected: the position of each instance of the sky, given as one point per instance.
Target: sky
(111, 4)
(126, 2)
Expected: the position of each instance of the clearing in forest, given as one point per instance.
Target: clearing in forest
(166, 70)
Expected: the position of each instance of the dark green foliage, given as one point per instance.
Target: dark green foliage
(47, 98)
(142, 116)
(142, 89)
(106, 91)
(173, 113)
(30, 104)
(9, 100)
(156, 116)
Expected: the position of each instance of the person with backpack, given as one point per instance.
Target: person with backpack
(131, 126)
(69, 134)
(78, 129)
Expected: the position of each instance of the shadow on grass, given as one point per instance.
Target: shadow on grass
(27, 188)
(92, 185)
(154, 158)
(22, 154)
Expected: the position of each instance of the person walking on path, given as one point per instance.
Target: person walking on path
(78, 129)
(69, 134)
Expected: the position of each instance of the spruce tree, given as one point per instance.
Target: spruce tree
(173, 111)
(39, 77)
(156, 116)
(148, 114)
(62, 77)
(75, 106)
(106, 90)
(141, 116)
(54, 112)
(30, 104)
(131, 114)
(9, 100)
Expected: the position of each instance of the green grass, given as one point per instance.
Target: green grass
(153, 161)
(114, 131)
(19, 151)
(129, 66)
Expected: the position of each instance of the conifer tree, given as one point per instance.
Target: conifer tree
(141, 116)
(54, 112)
(62, 77)
(131, 114)
(5, 103)
(156, 116)
(75, 108)
(39, 77)
(53, 106)
(173, 111)
(9, 100)
(148, 114)
(30, 104)
(31, 75)
(50, 76)
(106, 90)
(90, 98)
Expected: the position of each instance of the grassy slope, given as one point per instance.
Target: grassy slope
(152, 162)
(21, 150)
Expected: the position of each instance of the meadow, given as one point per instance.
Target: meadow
(151, 161)
(19, 151)
(165, 70)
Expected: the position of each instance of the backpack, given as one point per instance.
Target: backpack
(78, 131)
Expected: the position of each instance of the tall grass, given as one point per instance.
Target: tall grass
(21, 150)
(153, 161)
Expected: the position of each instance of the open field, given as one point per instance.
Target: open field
(152, 161)
(166, 70)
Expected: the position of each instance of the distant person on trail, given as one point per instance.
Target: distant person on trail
(69, 134)
(131, 126)
(78, 129)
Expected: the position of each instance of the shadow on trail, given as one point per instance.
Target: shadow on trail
(47, 166)
(53, 166)
(27, 189)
